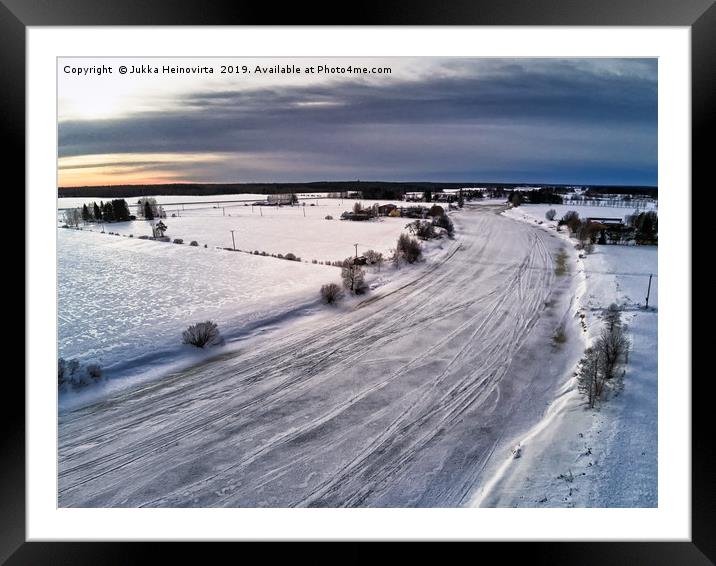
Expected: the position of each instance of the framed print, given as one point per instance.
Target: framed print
(395, 279)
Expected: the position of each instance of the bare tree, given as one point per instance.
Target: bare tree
(374, 258)
(353, 276)
(590, 377)
(407, 249)
(612, 345)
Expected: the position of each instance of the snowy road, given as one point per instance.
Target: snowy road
(400, 402)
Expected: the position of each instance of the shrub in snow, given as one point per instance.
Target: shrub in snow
(68, 371)
(407, 249)
(61, 371)
(202, 334)
(314, 261)
(256, 252)
(291, 257)
(436, 210)
(422, 229)
(131, 235)
(559, 336)
(280, 256)
(331, 293)
(550, 214)
(194, 243)
(571, 220)
(443, 221)
(178, 241)
(143, 237)
(329, 217)
(94, 371)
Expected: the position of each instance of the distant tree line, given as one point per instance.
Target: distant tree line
(115, 210)
(373, 190)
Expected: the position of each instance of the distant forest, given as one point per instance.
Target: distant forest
(369, 189)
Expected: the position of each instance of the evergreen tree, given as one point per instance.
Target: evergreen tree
(108, 212)
(85, 213)
(120, 209)
(97, 212)
(148, 212)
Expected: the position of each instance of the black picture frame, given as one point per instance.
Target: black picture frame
(699, 15)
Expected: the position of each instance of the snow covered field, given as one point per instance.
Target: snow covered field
(123, 302)
(537, 211)
(412, 396)
(404, 399)
(301, 230)
(607, 458)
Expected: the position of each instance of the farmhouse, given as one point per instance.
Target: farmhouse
(279, 199)
(386, 209)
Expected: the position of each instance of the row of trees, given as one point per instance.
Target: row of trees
(115, 210)
(536, 196)
(597, 372)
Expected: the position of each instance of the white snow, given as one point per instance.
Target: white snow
(420, 394)
(576, 457)
(403, 399)
(123, 302)
(301, 230)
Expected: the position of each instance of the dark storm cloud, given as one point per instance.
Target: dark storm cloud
(589, 119)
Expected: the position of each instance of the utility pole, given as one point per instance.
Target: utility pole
(233, 242)
(304, 213)
(648, 290)
(356, 245)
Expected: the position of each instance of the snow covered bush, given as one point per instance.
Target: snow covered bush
(178, 241)
(443, 221)
(194, 243)
(559, 336)
(70, 373)
(407, 249)
(291, 257)
(331, 293)
(93, 371)
(422, 229)
(329, 217)
(550, 214)
(202, 334)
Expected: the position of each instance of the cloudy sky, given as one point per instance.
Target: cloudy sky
(574, 121)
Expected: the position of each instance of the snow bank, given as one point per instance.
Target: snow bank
(607, 458)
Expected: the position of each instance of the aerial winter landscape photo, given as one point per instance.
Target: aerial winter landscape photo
(357, 282)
